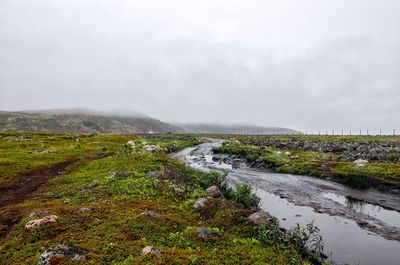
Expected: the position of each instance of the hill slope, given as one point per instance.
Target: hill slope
(82, 121)
(232, 129)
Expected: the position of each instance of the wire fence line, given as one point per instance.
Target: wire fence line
(379, 132)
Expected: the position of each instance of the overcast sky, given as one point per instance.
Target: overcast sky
(305, 64)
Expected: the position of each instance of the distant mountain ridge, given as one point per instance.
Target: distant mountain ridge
(233, 129)
(81, 120)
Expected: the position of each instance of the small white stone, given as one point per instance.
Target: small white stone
(131, 143)
(151, 250)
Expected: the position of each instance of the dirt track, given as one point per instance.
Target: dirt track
(30, 182)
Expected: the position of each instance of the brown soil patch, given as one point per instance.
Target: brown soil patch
(28, 183)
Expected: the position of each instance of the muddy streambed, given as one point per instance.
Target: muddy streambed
(358, 227)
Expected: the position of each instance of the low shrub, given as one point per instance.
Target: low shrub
(306, 240)
(243, 195)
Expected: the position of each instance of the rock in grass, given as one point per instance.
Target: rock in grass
(259, 218)
(119, 174)
(201, 203)
(360, 163)
(59, 253)
(35, 224)
(151, 250)
(83, 210)
(203, 233)
(151, 214)
(214, 192)
(176, 188)
(131, 143)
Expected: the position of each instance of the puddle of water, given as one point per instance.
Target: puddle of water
(387, 216)
(350, 243)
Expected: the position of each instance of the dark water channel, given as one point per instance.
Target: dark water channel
(358, 227)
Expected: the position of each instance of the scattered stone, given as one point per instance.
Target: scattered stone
(278, 152)
(35, 224)
(203, 233)
(151, 250)
(214, 192)
(45, 151)
(153, 148)
(260, 217)
(176, 188)
(287, 153)
(61, 253)
(297, 215)
(118, 174)
(83, 210)
(131, 143)
(201, 203)
(395, 191)
(362, 223)
(38, 212)
(78, 140)
(151, 214)
(236, 164)
(361, 163)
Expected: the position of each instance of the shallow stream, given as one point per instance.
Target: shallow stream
(358, 227)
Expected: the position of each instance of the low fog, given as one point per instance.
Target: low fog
(303, 64)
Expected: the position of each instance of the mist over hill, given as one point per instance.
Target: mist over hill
(80, 120)
(232, 129)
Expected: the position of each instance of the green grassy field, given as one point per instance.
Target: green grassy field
(113, 230)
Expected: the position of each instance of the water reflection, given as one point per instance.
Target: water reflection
(387, 216)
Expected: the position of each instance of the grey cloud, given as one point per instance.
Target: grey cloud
(311, 65)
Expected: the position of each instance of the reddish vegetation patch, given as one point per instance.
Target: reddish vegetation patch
(7, 223)
(132, 237)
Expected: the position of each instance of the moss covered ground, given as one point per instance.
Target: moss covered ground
(113, 230)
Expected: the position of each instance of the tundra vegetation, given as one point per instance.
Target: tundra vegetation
(121, 199)
(382, 173)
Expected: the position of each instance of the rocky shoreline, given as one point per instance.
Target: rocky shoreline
(377, 151)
